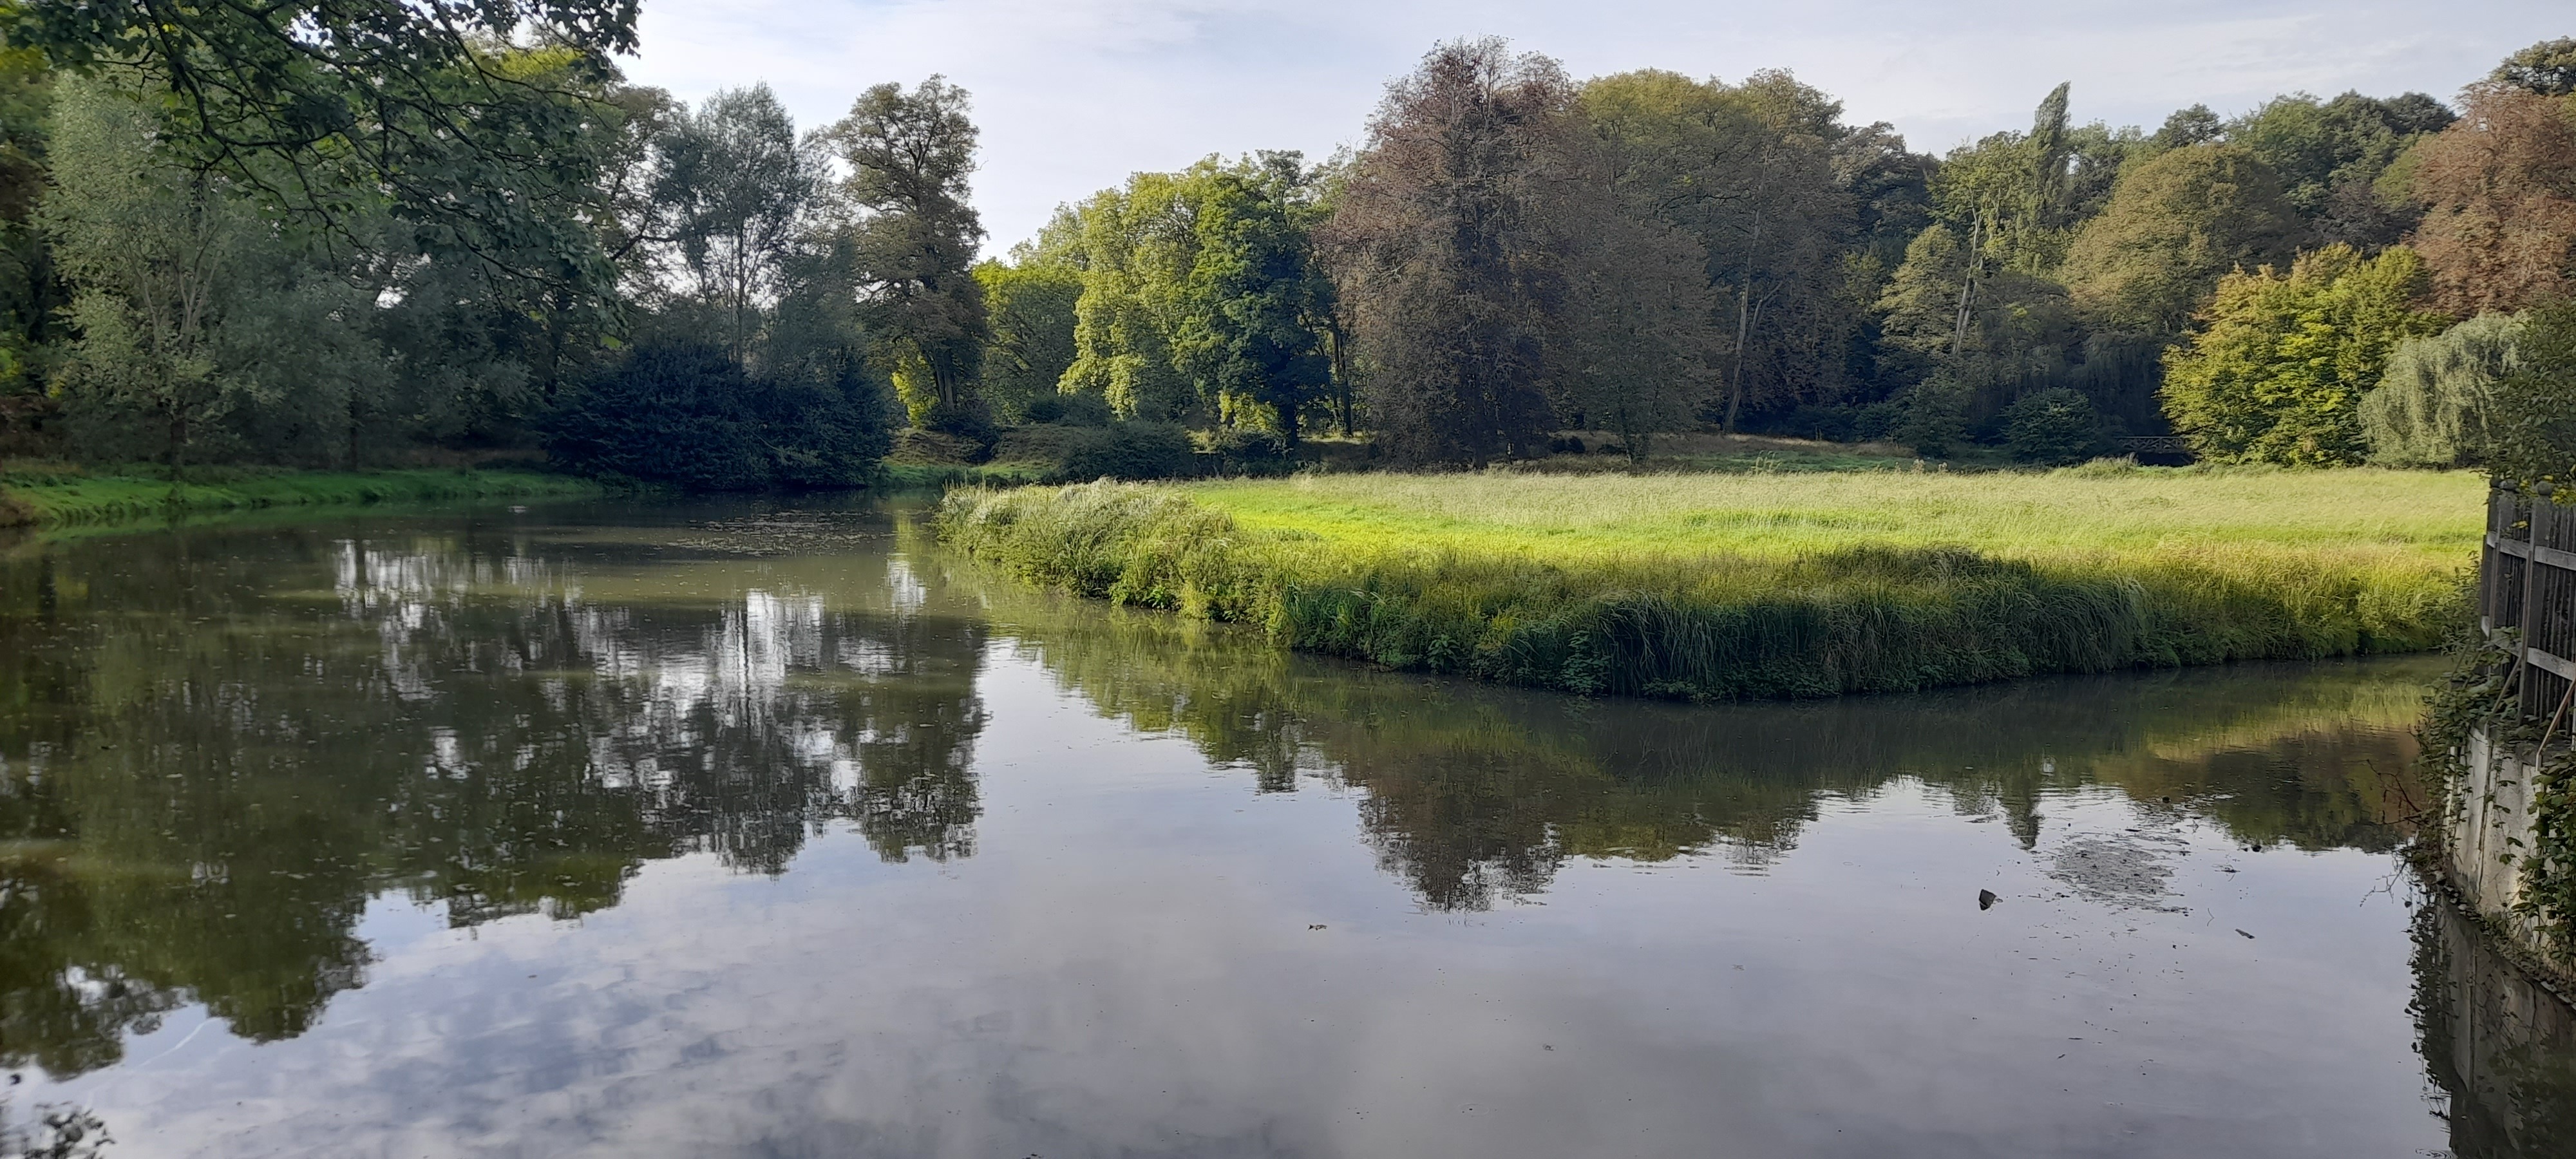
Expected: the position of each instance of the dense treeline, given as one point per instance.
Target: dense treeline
(455, 244)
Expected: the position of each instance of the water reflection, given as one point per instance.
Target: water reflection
(219, 748)
(214, 754)
(1477, 795)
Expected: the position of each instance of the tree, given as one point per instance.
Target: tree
(2499, 191)
(735, 189)
(2547, 68)
(1138, 246)
(2532, 426)
(2175, 224)
(1447, 250)
(909, 156)
(1752, 177)
(1248, 324)
(325, 108)
(148, 245)
(1030, 304)
(2323, 149)
(2276, 365)
(2054, 427)
(2434, 405)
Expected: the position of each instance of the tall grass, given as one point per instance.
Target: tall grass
(59, 496)
(1729, 587)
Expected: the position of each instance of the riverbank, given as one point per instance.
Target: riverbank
(1720, 587)
(56, 497)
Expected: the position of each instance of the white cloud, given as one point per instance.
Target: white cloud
(1073, 95)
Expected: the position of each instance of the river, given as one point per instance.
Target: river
(763, 830)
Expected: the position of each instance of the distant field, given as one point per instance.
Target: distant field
(1716, 586)
(2425, 516)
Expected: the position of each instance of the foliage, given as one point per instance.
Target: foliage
(1646, 596)
(2499, 190)
(687, 414)
(2174, 225)
(1446, 250)
(1128, 450)
(1249, 320)
(326, 108)
(2547, 68)
(735, 190)
(2532, 432)
(2054, 427)
(2330, 154)
(1030, 305)
(909, 155)
(2276, 365)
(2433, 407)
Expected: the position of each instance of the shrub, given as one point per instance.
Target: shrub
(685, 414)
(2055, 427)
(1131, 450)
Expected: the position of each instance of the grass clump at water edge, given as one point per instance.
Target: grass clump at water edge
(1701, 617)
(69, 496)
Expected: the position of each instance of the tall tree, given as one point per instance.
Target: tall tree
(2499, 191)
(1448, 249)
(1249, 327)
(736, 191)
(325, 108)
(2175, 224)
(2278, 363)
(1138, 246)
(2547, 68)
(910, 154)
(1030, 302)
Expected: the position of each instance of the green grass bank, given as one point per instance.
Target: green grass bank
(1732, 586)
(56, 497)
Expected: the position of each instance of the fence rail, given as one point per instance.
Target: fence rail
(2527, 592)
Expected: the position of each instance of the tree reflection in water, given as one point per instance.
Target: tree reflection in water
(215, 749)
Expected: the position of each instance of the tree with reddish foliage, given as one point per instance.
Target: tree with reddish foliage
(2499, 190)
(1449, 248)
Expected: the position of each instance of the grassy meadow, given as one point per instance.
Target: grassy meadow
(62, 496)
(1727, 586)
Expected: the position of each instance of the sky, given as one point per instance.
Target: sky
(1074, 95)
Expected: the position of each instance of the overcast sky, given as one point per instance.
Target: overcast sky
(1073, 95)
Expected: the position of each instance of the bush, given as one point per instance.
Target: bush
(1081, 408)
(1131, 450)
(685, 414)
(1933, 418)
(2055, 427)
(1249, 452)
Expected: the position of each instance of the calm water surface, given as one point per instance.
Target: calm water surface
(776, 832)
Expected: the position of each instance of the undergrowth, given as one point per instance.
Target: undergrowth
(1452, 595)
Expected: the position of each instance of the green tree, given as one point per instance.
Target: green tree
(1248, 327)
(2547, 68)
(2055, 427)
(2532, 428)
(328, 109)
(1138, 246)
(909, 156)
(1030, 302)
(2175, 224)
(2434, 405)
(2275, 367)
(735, 189)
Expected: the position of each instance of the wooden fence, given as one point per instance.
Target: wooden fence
(2527, 581)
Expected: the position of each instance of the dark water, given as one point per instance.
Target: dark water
(739, 831)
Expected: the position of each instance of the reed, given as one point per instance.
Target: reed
(1732, 587)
